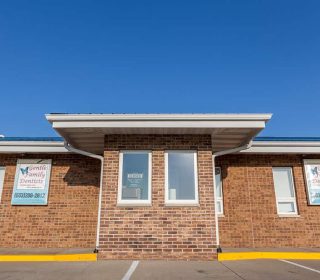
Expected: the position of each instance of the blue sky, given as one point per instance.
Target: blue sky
(160, 57)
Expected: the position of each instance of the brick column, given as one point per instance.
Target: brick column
(157, 231)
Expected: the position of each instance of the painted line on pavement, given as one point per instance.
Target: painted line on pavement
(302, 266)
(130, 271)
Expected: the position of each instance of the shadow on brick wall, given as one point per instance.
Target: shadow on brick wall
(83, 174)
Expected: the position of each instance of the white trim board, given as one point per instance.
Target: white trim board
(156, 117)
(283, 147)
(32, 147)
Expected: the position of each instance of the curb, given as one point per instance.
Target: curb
(235, 256)
(49, 258)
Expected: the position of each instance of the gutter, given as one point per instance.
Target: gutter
(214, 155)
(84, 153)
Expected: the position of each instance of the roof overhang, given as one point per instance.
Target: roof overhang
(87, 131)
(284, 147)
(14, 147)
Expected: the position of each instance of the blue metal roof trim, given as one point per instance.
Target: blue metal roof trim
(260, 139)
(48, 139)
(290, 139)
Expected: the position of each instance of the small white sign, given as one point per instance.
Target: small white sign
(312, 172)
(31, 182)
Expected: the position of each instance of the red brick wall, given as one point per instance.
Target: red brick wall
(250, 214)
(158, 231)
(68, 221)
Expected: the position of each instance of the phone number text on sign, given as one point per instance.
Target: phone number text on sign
(29, 195)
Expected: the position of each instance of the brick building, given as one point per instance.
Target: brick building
(159, 186)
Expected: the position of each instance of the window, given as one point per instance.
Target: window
(219, 195)
(181, 178)
(284, 188)
(2, 170)
(135, 178)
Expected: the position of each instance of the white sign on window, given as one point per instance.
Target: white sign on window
(312, 173)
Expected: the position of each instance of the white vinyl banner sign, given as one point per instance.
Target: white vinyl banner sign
(31, 183)
(312, 172)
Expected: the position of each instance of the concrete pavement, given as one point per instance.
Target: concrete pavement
(228, 270)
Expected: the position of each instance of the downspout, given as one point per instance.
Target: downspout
(214, 155)
(84, 153)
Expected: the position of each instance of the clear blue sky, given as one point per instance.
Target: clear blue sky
(160, 57)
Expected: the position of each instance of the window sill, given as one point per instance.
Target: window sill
(288, 215)
(182, 204)
(134, 204)
(221, 216)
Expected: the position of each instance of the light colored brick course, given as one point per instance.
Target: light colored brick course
(158, 231)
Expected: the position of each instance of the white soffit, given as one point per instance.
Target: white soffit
(86, 131)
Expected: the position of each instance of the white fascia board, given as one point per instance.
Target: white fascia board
(286, 143)
(158, 117)
(158, 124)
(32, 147)
(284, 147)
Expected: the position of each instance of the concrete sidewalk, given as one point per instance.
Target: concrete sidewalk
(45, 251)
(86, 254)
(232, 254)
(289, 249)
(47, 255)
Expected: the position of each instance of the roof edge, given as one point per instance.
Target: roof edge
(31, 139)
(262, 139)
(157, 117)
(11, 145)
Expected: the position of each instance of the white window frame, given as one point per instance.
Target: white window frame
(2, 181)
(286, 199)
(134, 202)
(219, 199)
(182, 202)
